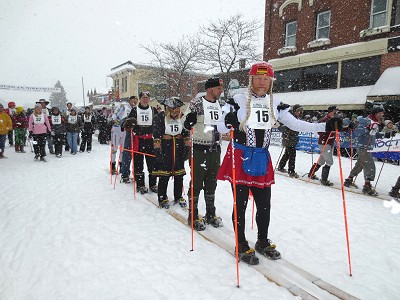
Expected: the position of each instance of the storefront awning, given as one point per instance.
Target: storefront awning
(387, 87)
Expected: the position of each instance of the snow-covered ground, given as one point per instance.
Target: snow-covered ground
(66, 233)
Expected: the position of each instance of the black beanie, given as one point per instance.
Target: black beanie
(213, 82)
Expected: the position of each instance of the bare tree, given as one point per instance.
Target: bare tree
(176, 61)
(225, 42)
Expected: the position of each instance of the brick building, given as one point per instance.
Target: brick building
(338, 48)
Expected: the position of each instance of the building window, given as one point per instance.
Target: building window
(378, 13)
(396, 11)
(360, 72)
(290, 37)
(124, 84)
(323, 25)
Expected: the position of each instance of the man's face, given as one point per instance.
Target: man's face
(69, 105)
(298, 112)
(379, 115)
(174, 112)
(216, 92)
(144, 100)
(133, 102)
(43, 104)
(262, 82)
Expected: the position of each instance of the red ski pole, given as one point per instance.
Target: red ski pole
(133, 167)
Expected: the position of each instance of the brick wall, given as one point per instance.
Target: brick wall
(390, 60)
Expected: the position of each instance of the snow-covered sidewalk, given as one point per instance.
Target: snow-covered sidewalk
(66, 233)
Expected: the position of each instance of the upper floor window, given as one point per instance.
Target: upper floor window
(323, 25)
(290, 36)
(379, 13)
(397, 13)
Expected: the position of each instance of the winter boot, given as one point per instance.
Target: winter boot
(154, 188)
(199, 224)
(125, 179)
(164, 203)
(293, 175)
(324, 176)
(394, 193)
(214, 221)
(247, 254)
(283, 170)
(36, 157)
(348, 182)
(43, 159)
(17, 149)
(2, 155)
(369, 190)
(21, 149)
(113, 170)
(317, 166)
(267, 248)
(142, 190)
(181, 201)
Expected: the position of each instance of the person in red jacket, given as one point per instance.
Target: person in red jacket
(326, 158)
(20, 125)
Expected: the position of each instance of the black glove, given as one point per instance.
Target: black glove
(393, 133)
(186, 152)
(334, 123)
(30, 135)
(159, 155)
(130, 123)
(232, 102)
(191, 120)
(231, 120)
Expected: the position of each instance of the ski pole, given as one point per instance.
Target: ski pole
(251, 197)
(312, 150)
(384, 161)
(279, 158)
(235, 208)
(133, 167)
(192, 185)
(117, 167)
(111, 149)
(351, 149)
(344, 200)
(319, 157)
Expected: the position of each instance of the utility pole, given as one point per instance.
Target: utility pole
(83, 93)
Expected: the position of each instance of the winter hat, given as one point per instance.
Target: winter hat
(19, 109)
(87, 107)
(354, 116)
(42, 101)
(377, 109)
(1, 105)
(332, 108)
(141, 94)
(213, 82)
(172, 102)
(262, 68)
(387, 122)
(11, 104)
(297, 107)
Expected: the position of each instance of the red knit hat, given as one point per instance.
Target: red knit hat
(10, 104)
(262, 68)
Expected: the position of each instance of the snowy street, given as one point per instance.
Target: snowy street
(66, 233)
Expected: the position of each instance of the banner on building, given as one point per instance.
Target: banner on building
(29, 88)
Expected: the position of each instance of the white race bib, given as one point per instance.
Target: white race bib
(56, 120)
(259, 114)
(212, 112)
(173, 127)
(38, 119)
(72, 119)
(87, 118)
(145, 116)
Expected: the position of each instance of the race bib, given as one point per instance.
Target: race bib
(259, 114)
(38, 119)
(56, 120)
(145, 116)
(87, 118)
(173, 127)
(212, 112)
(72, 119)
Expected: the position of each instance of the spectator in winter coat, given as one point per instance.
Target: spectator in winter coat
(58, 130)
(171, 147)
(365, 135)
(5, 127)
(102, 123)
(325, 144)
(20, 124)
(289, 141)
(390, 129)
(11, 112)
(39, 126)
(74, 124)
(87, 130)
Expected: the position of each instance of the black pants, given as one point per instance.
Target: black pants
(262, 198)
(10, 137)
(39, 144)
(86, 141)
(163, 184)
(289, 155)
(59, 140)
(145, 146)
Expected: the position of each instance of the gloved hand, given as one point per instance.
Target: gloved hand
(334, 123)
(191, 120)
(231, 120)
(186, 152)
(158, 154)
(130, 123)
(393, 133)
(374, 128)
(30, 135)
(232, 102)
(53, 133)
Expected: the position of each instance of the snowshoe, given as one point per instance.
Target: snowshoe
(247, 254)
(142, 190)
(267, 249)
(214, 221)
(293, 175)
(326, 182)
(199, 224)
(43, 159)
(154, 188)
(369, 190)
(125, 180)
(313, 177)
(164, 204)
(348, 182)
(181, 201)
(283, 170)
(394, 193)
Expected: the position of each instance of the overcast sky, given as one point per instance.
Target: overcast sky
(45, 41)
